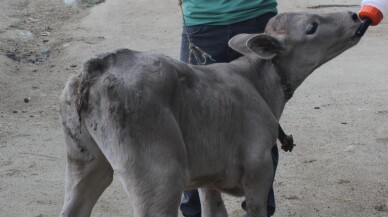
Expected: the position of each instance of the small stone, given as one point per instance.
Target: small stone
(45, 33)
(317, 107)
(344, 123)
(381, 208)
(350, 148)
(309, 161)
(14, 111)
(45, 40)
(27, 100)
(45, 51)
(32, 19)
(74, 65)
(342, 181)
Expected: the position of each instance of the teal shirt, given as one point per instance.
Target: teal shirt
(224, 12)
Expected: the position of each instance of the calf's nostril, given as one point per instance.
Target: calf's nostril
(354, 17)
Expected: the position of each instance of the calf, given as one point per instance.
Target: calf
(164, 126)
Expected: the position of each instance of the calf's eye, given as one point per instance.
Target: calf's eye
(312, 28)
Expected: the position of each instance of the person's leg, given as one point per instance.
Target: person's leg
(190, 204)
(214, 41)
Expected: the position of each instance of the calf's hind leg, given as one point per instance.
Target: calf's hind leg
(150, 160)
(154, 191)
(88, 173)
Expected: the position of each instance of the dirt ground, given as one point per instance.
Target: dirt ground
(338, 117)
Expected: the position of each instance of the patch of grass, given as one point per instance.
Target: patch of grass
(92, 2)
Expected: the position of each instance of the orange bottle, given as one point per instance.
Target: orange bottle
(371, 13)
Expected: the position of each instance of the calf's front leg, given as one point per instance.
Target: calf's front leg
(212, 204)
(257, 182)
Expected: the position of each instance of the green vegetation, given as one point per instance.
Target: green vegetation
(92, 2)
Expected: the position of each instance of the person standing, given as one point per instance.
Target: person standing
(209, 25)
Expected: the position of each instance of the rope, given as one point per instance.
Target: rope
(194, 50)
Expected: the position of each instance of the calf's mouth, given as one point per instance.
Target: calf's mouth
(363, 27)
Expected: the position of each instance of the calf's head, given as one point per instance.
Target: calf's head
(301, 42)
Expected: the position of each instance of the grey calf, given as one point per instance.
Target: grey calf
(164, 126)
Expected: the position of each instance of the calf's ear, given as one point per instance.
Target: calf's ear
(265, 46)
(239, 43)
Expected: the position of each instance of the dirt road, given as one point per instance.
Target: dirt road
(338, 117)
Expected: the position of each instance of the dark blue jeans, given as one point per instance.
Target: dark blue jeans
(214, 41)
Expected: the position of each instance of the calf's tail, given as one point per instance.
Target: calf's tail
(92, 70)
